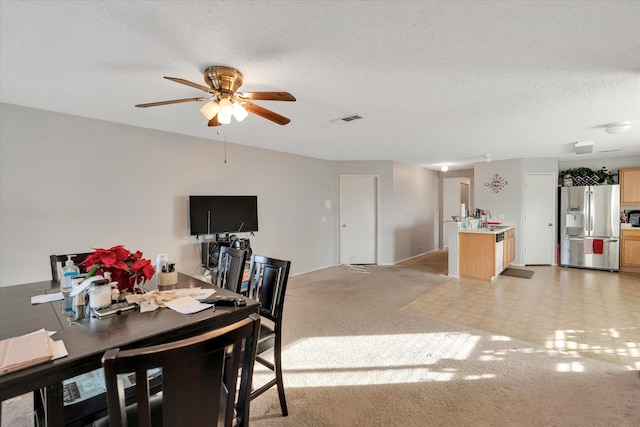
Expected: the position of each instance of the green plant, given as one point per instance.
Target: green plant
(604, 176)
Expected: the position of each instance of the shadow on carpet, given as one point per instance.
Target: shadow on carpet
(517, 272)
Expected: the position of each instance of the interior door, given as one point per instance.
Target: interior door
(358, 219)
(539, 219)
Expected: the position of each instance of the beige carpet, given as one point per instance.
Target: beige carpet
(352, 357)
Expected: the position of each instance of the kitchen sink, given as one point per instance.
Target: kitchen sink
(497, 227)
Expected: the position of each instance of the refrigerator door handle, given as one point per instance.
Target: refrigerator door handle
(604, 239)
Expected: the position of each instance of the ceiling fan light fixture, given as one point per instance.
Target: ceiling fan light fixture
(239, 112)
(225, 107)
(210, 109)
(224, 119)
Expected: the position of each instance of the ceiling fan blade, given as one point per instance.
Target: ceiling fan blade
(192, 84)
(174, 101)
(267, 114)
(267, 96)
(214, 121)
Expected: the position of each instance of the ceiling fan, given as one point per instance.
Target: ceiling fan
(224, 101)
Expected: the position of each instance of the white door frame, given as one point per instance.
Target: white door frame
(376, 216)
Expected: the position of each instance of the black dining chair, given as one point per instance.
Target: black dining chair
(202, 384)
(268, 284)
(231, 264)
(58, 261)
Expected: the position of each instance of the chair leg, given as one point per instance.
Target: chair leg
(280, 384)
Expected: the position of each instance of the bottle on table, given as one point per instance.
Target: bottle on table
(69, 271)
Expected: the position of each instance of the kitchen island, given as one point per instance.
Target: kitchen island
(483, 253)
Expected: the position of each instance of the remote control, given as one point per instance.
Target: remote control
(117, 308)
(225, 301)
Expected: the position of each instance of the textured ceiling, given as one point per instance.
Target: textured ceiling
(435, 82)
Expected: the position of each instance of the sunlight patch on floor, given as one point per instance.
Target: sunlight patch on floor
(570, 367)
(376, 359)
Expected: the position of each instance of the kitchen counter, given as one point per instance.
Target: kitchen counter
(480, 256)
(474, 252)
(501, 229)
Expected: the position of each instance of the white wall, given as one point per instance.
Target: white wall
(68, 184)
(415, 220)
(510, 200)
(408, 208)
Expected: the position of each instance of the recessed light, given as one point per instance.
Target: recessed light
(617, 127)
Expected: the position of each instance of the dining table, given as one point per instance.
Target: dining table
(87, 339)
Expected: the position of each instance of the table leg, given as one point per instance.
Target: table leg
(54, 405)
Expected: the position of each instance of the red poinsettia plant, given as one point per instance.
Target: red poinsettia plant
(127, 268)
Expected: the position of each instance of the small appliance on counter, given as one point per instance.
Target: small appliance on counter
(634, 218)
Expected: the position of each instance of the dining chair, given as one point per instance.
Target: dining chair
(57, 262)
(231, 264)
(268, 284)
(195, 375)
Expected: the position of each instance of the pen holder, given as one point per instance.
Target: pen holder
(167, 281)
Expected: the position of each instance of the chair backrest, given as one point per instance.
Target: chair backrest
(268, 283)
(58, 261)
(231, 265)
(199, 378)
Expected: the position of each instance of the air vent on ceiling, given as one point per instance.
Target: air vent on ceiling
(347, 119)
(583, 147)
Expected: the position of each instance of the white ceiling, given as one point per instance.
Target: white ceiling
(435, 82)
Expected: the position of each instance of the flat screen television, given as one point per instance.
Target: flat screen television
(223, 214)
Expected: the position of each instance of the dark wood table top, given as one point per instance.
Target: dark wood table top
(87, 339)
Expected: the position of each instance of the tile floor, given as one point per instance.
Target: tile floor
(587, 312)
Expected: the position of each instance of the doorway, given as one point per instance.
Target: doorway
(358, 219)
(539, 219)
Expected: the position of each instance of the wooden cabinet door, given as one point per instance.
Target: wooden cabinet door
(630, 248)
(509, 250)
(477, 255)
(630, 186)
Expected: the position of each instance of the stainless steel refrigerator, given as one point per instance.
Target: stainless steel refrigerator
(590, 227)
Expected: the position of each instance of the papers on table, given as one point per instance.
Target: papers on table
(187, 305)
(157, 299)
(40, 299)
(28, 350)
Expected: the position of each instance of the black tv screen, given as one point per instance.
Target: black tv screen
(223, 214)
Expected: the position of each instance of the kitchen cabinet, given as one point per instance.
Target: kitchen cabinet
(630, 250)
(630, 186)
(509, 247)
(480, 256)
(477, 255)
